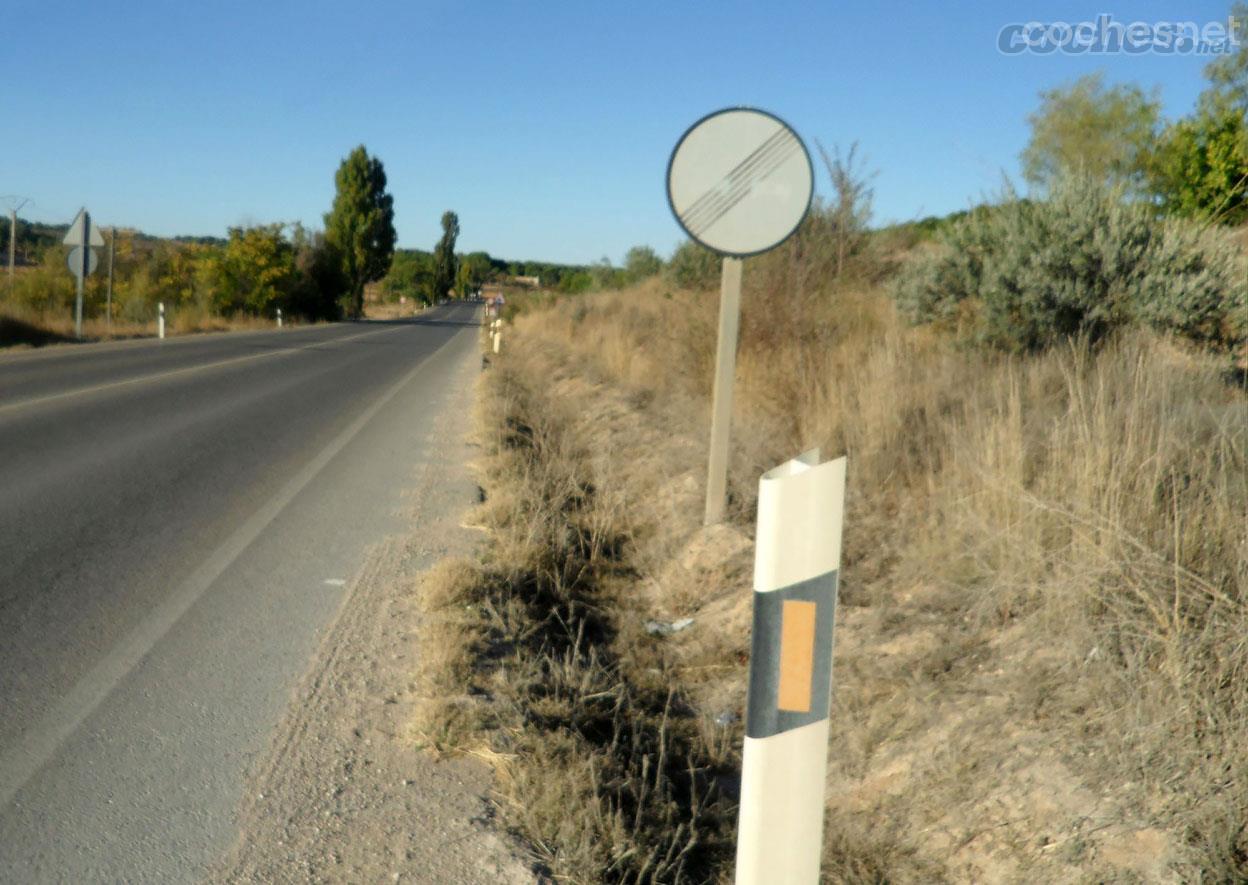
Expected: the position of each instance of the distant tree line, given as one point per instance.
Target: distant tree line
(254, 270)
(427, 276)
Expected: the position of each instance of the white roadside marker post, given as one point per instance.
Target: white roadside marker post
(279, 317)
(160, 321)
(739, 182)
(784, 760)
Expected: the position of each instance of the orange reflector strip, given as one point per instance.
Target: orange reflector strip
(797, 655)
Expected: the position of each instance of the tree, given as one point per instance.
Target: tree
(360, 226)
(1090, 130)
(445, 264)
(694, 267)
(1200, 167)
(411, 276)
(256, 270)
(475, 270)
(320, 284)
(605, 276)
(1228, 74)
(641, 262)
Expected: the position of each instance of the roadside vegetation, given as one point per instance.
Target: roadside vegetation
(206, 283)
(1040, 667)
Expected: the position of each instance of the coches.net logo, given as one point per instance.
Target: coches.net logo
(1107, 36)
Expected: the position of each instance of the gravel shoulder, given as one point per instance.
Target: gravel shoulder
(345, 794)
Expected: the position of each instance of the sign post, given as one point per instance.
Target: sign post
(721, 393)
(112, 257)
(82, 236)
(739, 182)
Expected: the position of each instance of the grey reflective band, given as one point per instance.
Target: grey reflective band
(769, 709)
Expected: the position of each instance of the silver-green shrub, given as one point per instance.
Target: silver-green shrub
(1196, 285)
(1082, 262)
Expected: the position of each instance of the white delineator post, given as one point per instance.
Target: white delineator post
(279, 317)
(784, 762)
(160, 321)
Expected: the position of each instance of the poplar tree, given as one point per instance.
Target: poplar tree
(360, 226)
(445, 267)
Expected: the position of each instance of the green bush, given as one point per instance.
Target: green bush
(1200, 166)
(694, 267)
(1024, 274)
(576, 282)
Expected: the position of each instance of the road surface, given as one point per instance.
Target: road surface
(178, 521)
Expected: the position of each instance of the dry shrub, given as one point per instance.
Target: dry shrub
(1041, 645)
(601, 766)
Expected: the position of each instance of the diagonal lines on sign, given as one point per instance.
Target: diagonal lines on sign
(702, 203)
(744, 188)
(738, 183)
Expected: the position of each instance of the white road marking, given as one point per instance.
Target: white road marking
(44, 740)
(335, 582)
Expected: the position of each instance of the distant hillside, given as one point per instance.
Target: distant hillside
(33, 237)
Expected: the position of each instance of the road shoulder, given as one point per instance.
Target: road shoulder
(344, 793)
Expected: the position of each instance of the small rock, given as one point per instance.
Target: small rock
(666, 628)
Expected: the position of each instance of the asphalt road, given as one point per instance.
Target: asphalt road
(178, 520)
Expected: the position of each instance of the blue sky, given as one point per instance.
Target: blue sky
(545, 125)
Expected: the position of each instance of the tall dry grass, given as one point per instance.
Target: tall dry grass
(538, 664)
(1043, 656)
(24, 326)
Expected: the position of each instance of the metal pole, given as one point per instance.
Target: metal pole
(82, 275)
(12, 246)
(112, 254)
(721, 409)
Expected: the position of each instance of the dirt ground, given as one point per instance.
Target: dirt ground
(346, 794)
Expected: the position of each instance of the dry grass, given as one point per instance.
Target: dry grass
(1042, 669)
(23, 327)
(391, 310)
(537, 664)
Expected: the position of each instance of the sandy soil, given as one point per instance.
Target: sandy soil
(346, 795)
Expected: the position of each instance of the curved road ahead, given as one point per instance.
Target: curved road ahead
(177, 523)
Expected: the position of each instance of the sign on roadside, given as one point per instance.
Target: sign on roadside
(739, 182)
(82, 232)
(75, 261)
(82, 259)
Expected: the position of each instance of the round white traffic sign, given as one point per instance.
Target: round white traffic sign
(740, 181)
(75, 261)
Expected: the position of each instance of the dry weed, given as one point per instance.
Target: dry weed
(1041, 664)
